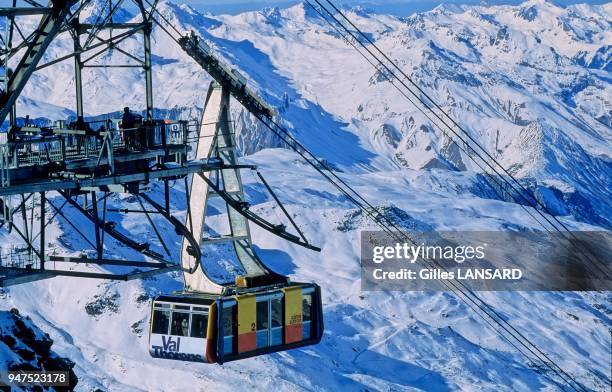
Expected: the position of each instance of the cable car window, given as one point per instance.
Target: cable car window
(181, 307)
(180, 324)
(227, 321)
(306, 316)
(276, 332)
(199, 323)
(229, 327)
(263, 314)
(277, 312)
(161, 322)
(306, 307)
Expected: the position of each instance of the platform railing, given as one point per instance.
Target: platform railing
(69, 144)
(6, 213)
(14, 258)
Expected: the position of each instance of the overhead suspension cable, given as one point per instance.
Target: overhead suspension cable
(504, 324)
(514, 337)
(481, 308)
(493, 179)
(515, 185)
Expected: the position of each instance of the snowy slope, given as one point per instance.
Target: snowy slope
(537, 79)
(380, 341)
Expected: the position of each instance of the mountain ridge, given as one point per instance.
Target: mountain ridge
(540, 110)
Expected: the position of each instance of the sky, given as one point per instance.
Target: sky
(397, 7)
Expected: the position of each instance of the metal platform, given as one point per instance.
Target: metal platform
(34, 157)
(99, 157)
(80, 160)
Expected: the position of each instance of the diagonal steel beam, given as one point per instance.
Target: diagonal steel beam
(47, 30)
(19, 11)
(59, 211)
(159, 237)
(115, 40)
(125, 263)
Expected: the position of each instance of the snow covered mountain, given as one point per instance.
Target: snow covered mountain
(531, 83)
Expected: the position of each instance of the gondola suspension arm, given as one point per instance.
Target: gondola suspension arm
(242, 208)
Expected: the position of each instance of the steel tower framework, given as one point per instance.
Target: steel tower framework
(108, 160)
(111, 160)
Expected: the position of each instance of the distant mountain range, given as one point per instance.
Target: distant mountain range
(531, 83)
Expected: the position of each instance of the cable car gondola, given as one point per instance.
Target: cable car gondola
(201, 327)
(260, 312)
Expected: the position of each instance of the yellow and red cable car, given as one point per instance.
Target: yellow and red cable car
(211, 328)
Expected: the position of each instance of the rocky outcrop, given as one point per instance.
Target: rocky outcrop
(23, 346)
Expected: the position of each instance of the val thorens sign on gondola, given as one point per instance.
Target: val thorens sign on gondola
(257, 311)
(261, 311)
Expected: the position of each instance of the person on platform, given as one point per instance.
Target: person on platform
(128, 122)
(80, 125)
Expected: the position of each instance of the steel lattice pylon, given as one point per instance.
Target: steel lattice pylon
(79, 163)
(119, 154)
(21, 52)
